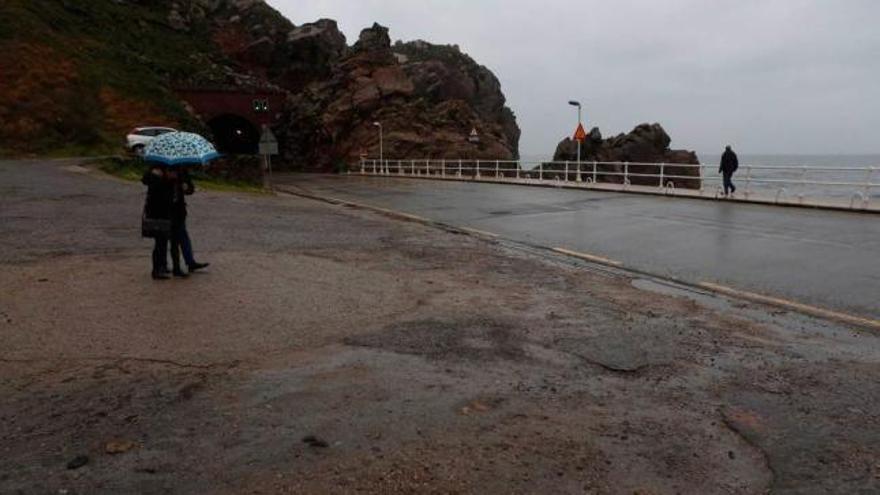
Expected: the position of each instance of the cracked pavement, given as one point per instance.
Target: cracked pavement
(409, 359)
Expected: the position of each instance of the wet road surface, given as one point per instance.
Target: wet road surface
(824, 258)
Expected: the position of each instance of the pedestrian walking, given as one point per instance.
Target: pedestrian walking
(156, 219)
(729, 166)
(180, 240)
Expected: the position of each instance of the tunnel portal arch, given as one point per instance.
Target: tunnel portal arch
(234, 134)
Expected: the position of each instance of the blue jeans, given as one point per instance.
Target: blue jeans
(180, 241)
(728, 183)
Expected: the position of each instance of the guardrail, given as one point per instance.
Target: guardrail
(839, 187)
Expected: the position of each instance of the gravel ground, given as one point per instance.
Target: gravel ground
(333, 350)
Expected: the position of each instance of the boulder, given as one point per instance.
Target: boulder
(366, 94)
(392, 80)
(322, 35)
(373, 38)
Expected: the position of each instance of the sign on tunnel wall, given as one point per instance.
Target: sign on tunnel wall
(234, 117)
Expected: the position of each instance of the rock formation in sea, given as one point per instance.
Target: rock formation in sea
(646, 144)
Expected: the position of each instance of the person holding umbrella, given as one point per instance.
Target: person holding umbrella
(168, 183)
(156, 222)
(180, 240)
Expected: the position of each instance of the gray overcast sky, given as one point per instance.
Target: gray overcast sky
(769, 76)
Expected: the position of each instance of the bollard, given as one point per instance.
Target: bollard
(566, 171)
(858, 195)
(702, 185)
(497, 169)
(748, 181)
(459, 168)
(780, 192)
(443, 167)
(803, 185)
(477, 175)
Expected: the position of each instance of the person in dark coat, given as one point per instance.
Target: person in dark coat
(180, 240)
(160, 194)
(729, 166)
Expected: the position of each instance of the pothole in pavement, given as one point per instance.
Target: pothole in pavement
(468, 339)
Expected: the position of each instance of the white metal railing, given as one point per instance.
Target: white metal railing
(849, 187)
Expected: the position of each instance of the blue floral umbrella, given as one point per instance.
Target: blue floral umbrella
(180, 148)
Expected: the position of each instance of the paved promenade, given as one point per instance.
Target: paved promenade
(827, 259)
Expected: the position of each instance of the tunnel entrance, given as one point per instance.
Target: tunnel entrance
(234, 135)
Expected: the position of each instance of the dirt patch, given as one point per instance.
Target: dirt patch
(469, 339)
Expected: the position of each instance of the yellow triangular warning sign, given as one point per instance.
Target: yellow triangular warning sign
(580, 134)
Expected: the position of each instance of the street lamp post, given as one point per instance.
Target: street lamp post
(381, 147)
(578, 105)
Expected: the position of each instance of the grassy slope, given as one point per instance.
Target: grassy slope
(132, 169)
(77, 75)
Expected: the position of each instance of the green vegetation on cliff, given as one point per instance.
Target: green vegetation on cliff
(78, 74)
(230, 178)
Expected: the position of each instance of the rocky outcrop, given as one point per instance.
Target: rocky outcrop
(428, 98)
(646, 144)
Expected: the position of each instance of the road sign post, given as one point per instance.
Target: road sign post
(268, 147)
(580, 134)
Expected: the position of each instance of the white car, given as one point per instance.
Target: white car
(139, 137)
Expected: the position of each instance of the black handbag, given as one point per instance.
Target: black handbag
(155, 227)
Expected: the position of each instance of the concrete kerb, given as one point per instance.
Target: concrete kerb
(608, 265)
(285, 190)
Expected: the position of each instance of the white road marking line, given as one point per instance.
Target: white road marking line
(588, 257)
(785, 303)
(477, 231)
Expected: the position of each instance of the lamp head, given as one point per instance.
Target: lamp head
(574, 103)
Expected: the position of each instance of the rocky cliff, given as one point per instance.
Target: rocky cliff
(646, 144)
(77, 75)
(428, 98)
